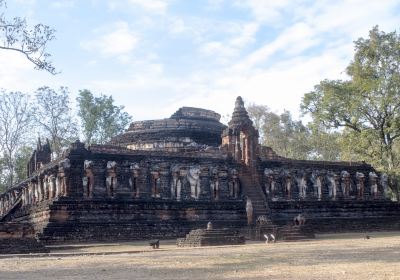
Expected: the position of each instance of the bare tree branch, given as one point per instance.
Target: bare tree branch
(16, 35)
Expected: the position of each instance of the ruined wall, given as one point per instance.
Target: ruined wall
(185, 128)
(316, 180)
(342, 216)
(105, 193)
(333, 196)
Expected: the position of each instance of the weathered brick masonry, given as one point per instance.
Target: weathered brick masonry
(163, 178)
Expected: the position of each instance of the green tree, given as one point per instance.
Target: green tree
(15, 123)
(16, 35)
(3, 175)
(259, 115)
(365, 108)
(325, 144)
(287, 137)
(100, 118)
(53, 115)
(21, 159)
(293, 139)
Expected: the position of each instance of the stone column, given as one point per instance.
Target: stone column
(193, 177)
(35, 191)
(155, 182)
(49, 186)
(111, 180)
(88, 180)
(63, 174)
(346, 184)
(176, 183)
(360, 185)
(223, 187)
(249, 211)
(58, 186)
(373, 182)
(52, 183)
(214, 183)
(134, 180)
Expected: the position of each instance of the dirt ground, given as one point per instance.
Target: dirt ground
(336, 256)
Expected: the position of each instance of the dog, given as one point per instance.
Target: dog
(155, 244)
(269, 238)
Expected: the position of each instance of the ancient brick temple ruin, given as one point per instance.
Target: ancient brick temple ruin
(163, 178)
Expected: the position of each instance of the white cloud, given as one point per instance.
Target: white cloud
(26, 2)
(154, 6)
(225, 51)
(176, 25)
(229, 56)
(293, 39)
(352, 17)
(119, 41)
(63, 4)
(18, 74)
(220, 50)
(280, 71)
(246, 36)
(269, 11)
(214, 4)
(12, 64)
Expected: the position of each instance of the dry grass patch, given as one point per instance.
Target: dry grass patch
(344, 256)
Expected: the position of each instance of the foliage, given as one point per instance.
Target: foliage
(53, 115)
(15, 121)
(280, 132)
(3, 177)
(291, 138)
(50, 114)
(366, 108)
(21, 159)
(325, 144)
(100, 118)
(16, 35)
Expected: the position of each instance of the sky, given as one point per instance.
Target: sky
(154, 56)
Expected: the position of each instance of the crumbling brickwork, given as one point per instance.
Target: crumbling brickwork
(163, 178)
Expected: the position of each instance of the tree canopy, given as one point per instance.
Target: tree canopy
(367, 106)
(54, 117)
(15, 121)
(100, 118)
(291, 138)
(365, 109)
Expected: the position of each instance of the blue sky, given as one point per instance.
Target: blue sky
(155, 56)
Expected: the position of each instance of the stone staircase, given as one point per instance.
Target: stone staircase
(210, 237)
(286, 233)
(291, 233)
(252, 189)
(258, 232)
(11, 207)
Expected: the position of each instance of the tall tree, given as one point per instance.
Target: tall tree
(259, 114)
(16, 35)
(3, 175)
(287, 137)
(100, 118)
(291, 138)
(365, 108)
(53, 115)
(21, 159)
(15, 121)
(325, 144)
